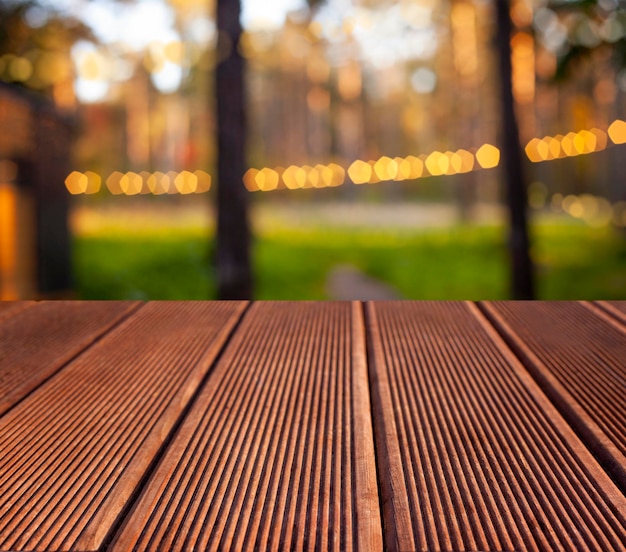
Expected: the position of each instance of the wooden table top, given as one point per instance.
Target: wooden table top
(312, 425)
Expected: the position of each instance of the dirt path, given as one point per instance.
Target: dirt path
(348, 283)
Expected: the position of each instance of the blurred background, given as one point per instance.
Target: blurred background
(337, 149)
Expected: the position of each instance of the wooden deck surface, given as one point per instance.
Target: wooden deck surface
(312, 426)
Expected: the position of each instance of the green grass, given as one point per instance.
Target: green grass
(573, 262)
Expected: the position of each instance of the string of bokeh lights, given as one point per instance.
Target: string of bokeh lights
(593, 210)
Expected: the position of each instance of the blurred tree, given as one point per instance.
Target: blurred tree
(586, 26)
(233, 265)
(38, 41)
(515, 181)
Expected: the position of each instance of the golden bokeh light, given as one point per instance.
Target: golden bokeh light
(386, 168)
(360, 172)
(455, 163)
(76, 183)
(131, 183)
(488, 156)
(601, 138)
(467, 161)
(94, 183)
(249, 180)
(403, 169)
(158, 183)
(437, 163)
(617, 132)
(325, 175)
(339, 174)
(186, 182)
(532, 150)
(374, 179)
(294, 177)
(113, 183)
(417, 167)
(204, 181)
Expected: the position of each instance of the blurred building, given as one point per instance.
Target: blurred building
(35, 146)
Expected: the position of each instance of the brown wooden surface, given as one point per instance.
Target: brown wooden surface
(37, 341)
(576, 353)
(312, 425)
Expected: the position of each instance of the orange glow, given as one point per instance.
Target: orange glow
(349, 80)
(8, 238)
(463, 23)
(318, 99)
(523, 62)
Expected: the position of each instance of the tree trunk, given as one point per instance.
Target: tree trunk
(234, 280)
(522, 285)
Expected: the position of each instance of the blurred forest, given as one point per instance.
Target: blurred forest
(339, 101)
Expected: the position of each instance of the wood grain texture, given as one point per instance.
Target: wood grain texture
(10, 308)
(578, 356)
(472, 455)
(615, 308)
(35, 342)
(277, 452)
(74, 451)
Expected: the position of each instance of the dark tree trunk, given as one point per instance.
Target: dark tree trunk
(522, 285)
(234, 280)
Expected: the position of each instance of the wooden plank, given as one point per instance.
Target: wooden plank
(11, 308)
(73, 453)
(472, 455)
(277, 452)
(578, 356)
(615, 308)
(41, 339)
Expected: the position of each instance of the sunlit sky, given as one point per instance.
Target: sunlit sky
(395, 33)
(137, 24)
(141, 21)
